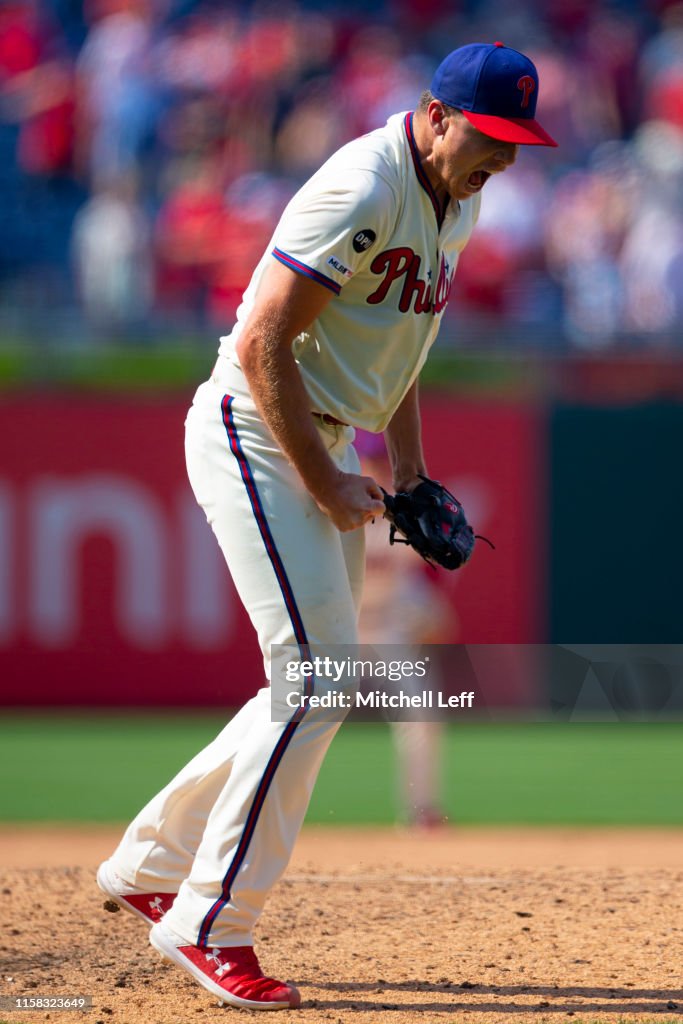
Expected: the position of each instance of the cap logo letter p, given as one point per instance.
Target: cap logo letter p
(527, 85)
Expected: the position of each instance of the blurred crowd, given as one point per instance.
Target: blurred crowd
(147, 148)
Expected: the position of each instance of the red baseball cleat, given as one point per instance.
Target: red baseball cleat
(231, 973)
(150, 906)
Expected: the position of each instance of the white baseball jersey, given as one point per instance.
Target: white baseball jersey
(368, 226)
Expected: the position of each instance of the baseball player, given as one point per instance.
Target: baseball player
(332, 332)
(402, 606)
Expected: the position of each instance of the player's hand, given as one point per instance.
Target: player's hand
(351, 501)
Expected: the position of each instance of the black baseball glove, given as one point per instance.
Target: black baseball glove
(432, 521)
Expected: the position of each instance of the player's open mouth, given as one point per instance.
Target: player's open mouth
(477, 180)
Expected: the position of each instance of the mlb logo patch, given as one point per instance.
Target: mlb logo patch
(339, 266)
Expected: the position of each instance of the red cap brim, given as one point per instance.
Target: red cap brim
(521, 130)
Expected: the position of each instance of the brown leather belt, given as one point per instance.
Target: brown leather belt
(331, 420)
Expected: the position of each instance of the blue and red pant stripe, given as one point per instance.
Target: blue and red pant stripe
(300, 636)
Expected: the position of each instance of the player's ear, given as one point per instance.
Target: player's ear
(439, 115)
(436, 112)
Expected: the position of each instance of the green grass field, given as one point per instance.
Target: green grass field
(103, 767)
(148, 367)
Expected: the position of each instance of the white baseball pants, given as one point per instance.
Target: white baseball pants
(222, 831)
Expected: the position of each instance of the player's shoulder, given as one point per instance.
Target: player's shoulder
(372, 165)
(384, 148)
(360, 188)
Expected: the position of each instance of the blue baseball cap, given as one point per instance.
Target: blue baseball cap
(496, 88)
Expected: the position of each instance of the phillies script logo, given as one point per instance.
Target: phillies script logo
(404, 264)
(526, 85)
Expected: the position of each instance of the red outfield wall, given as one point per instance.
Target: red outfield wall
(113, 590)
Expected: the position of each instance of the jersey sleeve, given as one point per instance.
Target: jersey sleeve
(332, 230)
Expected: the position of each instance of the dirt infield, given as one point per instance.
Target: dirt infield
(378, 927)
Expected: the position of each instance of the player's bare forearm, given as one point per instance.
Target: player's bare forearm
(286, 305)
(404, 442)
(280, 397)
(278, 391)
